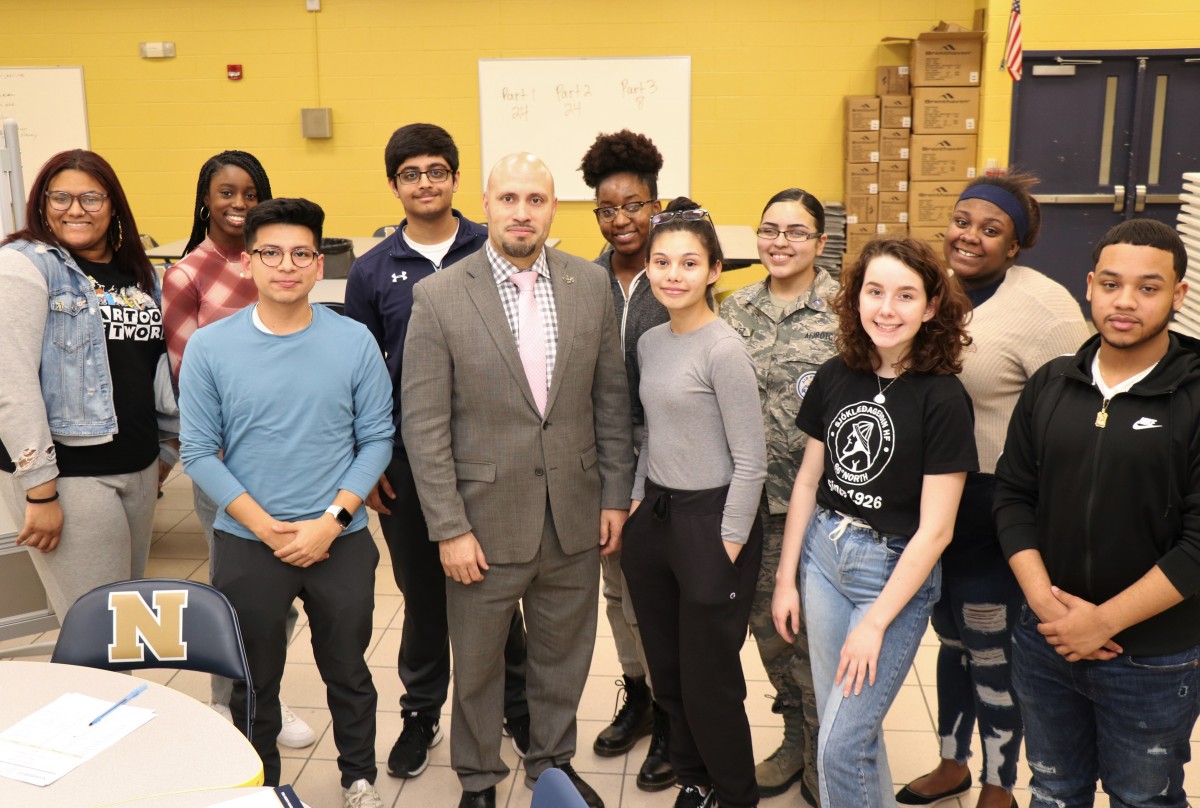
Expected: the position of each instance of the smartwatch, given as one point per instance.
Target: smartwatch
(339, 513)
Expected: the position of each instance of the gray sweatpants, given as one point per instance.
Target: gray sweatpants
(107, 524)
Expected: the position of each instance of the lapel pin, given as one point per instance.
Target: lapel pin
(568, 279)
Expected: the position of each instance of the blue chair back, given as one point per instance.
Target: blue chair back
(156, 623)
(554, 789)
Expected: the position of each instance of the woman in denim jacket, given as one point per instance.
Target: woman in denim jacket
(83, 347)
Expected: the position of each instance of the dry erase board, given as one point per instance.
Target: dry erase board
(48, 103)
(556, 107)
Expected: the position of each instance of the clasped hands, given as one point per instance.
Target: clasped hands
(1075, 627)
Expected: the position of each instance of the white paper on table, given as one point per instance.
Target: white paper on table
(44, 746)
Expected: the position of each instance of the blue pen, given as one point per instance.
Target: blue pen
(137, 691)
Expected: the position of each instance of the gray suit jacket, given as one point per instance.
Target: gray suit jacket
(483, 459)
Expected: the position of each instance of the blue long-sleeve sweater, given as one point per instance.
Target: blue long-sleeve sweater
(298, 416)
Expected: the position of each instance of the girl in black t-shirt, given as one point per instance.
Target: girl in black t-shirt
(891, 440)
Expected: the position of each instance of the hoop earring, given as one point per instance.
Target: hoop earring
(120, 237)
(204, 214)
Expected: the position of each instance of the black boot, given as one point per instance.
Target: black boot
(632, 722)
(656, 773)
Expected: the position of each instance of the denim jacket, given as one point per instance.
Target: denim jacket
(78, 395)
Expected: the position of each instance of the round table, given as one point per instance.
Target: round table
(185, 747)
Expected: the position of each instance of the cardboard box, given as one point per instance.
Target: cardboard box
(862, 113)
(945, 109)
(861, 178)
(895, 111)
(862, 147)
(859, 235)
(893, 176)
(931, 203)
(893, 144)
(935, 237)
(893, 207)
(862, 209)
(942, 157)
(944, 58)
(891, 80)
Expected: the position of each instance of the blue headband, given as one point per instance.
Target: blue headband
(1003, 200)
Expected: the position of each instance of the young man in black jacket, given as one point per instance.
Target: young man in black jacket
(1098, 511)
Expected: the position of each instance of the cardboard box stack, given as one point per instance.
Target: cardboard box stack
(910, 148)
(945, 68)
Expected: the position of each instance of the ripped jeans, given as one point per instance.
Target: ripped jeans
(1126, 721)
(974, 621)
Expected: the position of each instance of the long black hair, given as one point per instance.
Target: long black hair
(243, 160)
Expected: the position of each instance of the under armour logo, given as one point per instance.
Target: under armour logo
(403, 276)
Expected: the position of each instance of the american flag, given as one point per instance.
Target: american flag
(1012, 46)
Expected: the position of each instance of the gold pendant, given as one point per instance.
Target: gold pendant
(1101, 419)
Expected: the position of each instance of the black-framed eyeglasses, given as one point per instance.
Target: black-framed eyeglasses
(411, 176)
(630, 209)
(772, 233)
(90, 201)
(273, 256)
(694, 215)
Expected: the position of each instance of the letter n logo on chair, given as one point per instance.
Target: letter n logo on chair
(135, 626)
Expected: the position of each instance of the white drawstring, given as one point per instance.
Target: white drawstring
(845, 522)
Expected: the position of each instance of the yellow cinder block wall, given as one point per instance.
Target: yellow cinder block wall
(768, 79)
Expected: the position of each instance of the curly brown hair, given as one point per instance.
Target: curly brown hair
(619, 153)
(938, 345)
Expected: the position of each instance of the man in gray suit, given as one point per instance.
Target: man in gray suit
(516, 423)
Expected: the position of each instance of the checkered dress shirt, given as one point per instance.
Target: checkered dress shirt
(543, 293)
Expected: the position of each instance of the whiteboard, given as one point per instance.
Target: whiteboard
(49, 105)
(555, 108)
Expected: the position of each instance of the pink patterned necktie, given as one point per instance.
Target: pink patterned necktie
(532, 340)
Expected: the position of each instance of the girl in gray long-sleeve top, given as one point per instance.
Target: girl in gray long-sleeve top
(694, 539)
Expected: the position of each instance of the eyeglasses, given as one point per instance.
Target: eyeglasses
(771, 233)
(694, 215)
(630, 208)
(412, 176)
(273, 256)
(61, 200)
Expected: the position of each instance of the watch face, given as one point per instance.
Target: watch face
(343, 517)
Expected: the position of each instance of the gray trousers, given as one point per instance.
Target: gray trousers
(107, 525)
(559, 594)
(619, 611)
(206, 512)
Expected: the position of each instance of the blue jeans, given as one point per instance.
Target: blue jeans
(840, 580)
(1126, 721)
(974, 621)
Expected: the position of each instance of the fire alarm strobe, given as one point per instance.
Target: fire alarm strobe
(234, 72)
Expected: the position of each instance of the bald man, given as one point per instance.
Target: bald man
(516, 421)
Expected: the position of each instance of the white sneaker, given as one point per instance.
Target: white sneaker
(222, 710)
(295, 733)
(361, 794)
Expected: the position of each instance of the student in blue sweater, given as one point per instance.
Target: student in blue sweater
(287, 424)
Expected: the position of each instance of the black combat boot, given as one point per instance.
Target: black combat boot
(656, 773)
(632, 722)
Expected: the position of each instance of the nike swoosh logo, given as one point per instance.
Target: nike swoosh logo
(1146, 423)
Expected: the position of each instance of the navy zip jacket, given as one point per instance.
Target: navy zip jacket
(379, 294)
(1104, 506)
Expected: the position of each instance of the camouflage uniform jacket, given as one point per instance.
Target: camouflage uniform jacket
(787, 347)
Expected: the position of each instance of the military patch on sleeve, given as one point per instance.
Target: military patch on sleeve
(802, 383)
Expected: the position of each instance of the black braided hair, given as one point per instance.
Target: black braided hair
(243, 160)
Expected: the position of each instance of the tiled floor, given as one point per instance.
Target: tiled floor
(179, 551)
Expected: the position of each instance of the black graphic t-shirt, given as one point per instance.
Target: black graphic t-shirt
(133, 333)
(876, 455)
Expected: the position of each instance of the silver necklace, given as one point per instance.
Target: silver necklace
(880, 398)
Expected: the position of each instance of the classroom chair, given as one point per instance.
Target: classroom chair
(156, 623)
(554, 789)
(385, 231)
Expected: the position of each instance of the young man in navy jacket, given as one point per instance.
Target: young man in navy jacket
(1098, 511)
(422, 172)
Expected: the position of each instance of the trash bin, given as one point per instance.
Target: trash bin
(339, 255)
